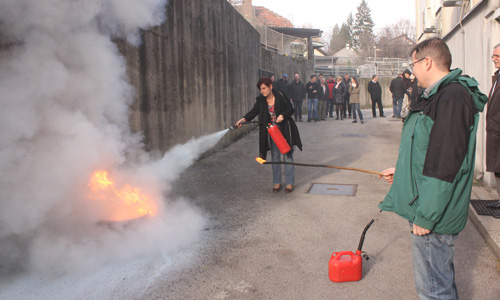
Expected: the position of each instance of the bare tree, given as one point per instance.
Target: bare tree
(396, 40)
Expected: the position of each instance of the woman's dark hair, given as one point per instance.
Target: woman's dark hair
(355, 80)
(264, 80)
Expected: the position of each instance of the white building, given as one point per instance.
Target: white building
(470, 28)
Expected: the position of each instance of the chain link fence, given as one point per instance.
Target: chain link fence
(360, 66)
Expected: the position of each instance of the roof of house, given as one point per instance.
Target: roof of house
(270, 18)
(298, 32)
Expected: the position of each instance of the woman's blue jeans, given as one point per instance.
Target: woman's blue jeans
(355, 107)
(289, 169)
(433, 268)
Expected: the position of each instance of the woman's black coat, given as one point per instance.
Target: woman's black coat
(282, 106)
(339, 93)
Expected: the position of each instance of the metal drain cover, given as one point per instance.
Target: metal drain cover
(333, 189)
(353, 135)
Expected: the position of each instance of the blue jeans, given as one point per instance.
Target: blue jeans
(312, 108)
(397, 104)
(433, 268)
(355, 107)
(289, 169)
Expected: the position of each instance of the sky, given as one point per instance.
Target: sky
(324, 14)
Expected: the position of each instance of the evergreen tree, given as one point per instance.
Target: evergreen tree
(338, 39)
(349, 23)
(363, 37)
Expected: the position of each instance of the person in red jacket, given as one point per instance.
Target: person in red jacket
(329, 101)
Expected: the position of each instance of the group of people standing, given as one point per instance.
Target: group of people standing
(323, 96)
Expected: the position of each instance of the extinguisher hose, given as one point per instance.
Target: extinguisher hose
(245, 123)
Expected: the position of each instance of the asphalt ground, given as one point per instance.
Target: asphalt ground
(264, 245)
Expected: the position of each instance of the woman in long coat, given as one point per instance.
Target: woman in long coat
(274, 107)
(354, 89)
(339, 90)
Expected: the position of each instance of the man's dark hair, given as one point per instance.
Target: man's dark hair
(436, 49)
(312, 76)
(373, 76)
(264, 80)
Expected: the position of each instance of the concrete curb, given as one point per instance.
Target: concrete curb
(488, 226)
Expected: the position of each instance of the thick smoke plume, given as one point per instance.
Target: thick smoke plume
(64, 98)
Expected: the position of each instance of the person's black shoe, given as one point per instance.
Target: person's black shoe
(309, 120)
(300, 120)
(337, 118)
(382, 116)
(496, 216)
(355, 121)
(494, 205)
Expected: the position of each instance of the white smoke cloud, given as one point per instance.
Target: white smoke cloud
(65, 101)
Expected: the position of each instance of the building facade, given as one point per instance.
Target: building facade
(471, 28)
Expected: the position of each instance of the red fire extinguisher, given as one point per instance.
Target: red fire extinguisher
(278, 138)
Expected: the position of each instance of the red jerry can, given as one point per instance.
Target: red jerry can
(345, 266)
(278, 139)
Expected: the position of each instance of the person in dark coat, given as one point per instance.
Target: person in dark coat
(347, 105)
(339, 91)
(493, 125)
(297, 93)
(282, 85)
(273, 107)
(375, 92)
(398, 90)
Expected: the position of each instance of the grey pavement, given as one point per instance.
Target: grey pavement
(264, 245)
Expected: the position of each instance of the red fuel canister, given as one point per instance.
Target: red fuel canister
(278, 139)
(345, 266)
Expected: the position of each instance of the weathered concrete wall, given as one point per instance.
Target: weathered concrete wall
(279, 65)
(195, 74)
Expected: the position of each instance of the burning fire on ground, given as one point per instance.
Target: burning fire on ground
(119, 203)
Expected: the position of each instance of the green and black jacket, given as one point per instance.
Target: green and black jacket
(433, 179)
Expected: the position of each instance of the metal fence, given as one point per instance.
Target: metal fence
(271, 39)
(281, 43)
(360, 66)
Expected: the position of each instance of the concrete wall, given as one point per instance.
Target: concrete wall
(196, 74)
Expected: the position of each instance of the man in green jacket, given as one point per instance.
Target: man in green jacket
(432, 181)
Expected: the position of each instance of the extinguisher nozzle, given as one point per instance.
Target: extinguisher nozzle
(233, 127)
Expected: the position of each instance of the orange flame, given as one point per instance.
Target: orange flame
(260, 160)
(123, 203)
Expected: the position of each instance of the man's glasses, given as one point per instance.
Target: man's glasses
(495, 56)
(413, 64)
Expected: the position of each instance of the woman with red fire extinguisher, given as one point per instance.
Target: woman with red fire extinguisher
(275, 108)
